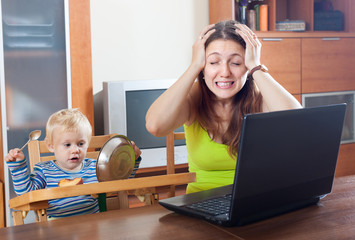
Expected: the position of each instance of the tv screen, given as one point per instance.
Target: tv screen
(125, 104)
(137, 105)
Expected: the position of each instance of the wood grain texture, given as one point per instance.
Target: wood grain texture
(332, 218)
(151, 222)
(2, 205)
(28, 200)
(80, 57)
(327, 65)
(2, 180)
(285, 63)
(220, 10)
(346, 160)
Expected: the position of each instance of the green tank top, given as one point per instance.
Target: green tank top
(213, 166)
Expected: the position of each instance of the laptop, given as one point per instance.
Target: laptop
(286, 161)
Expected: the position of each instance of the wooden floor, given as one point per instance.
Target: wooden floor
(135, 202)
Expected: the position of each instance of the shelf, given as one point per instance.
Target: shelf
(280, 10)
(306, 34)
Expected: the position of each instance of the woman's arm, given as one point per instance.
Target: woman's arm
(275, 97)
(173, 107)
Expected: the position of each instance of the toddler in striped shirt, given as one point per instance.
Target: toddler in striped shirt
(68, 133)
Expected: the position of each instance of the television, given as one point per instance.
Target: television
(125, 104)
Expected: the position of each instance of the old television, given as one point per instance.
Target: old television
(125, 105)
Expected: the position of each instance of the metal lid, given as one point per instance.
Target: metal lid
(116, 159)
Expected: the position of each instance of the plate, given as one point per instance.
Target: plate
(116, 159)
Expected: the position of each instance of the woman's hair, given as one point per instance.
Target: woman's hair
(70, 120)
(247, 100)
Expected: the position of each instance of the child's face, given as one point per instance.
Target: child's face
(69, 148)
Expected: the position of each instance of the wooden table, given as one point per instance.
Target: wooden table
(332, 218)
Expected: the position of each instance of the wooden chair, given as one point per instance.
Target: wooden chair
(38, 200)
(170, 155)
(38, 152)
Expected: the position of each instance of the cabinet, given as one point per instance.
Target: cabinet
(280, 10)
(285, 66)
(327, 64)
(306, 62)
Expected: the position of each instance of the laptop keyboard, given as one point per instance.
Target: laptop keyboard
(215, 206)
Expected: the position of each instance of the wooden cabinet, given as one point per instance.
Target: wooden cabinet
(285, 63)
(328, 64)
(280, 10)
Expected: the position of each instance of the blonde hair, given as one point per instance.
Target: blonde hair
(68, 120)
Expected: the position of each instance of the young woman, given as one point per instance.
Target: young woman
(231, 83)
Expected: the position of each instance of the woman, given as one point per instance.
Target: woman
(231, 83)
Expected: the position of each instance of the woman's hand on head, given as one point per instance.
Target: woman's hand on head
(14, 155)
(198, 49)
(253, 46)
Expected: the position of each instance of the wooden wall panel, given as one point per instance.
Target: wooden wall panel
(81, 63)
(2, 177)
(2, 180)
(284, 64)
(298, 97)
(327, 65)
(346, 160)
(221, 10)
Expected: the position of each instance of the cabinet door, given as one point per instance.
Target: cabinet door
(345, 163)
(221, 10)
(283, 59)
(328, 64)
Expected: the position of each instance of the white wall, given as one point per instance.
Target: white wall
(143, 39)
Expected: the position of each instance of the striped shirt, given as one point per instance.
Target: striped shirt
(47, 175)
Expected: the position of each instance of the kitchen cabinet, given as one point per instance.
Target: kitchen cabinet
(280, 10)
(328, 64)
(285, 65)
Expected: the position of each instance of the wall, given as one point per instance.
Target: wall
(142, 39)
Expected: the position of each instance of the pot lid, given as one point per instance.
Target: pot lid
(116, 159)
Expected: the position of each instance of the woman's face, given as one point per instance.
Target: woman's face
(225, 72)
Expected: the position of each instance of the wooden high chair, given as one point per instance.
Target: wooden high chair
(38, 200)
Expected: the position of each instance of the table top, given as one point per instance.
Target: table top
(332, 218)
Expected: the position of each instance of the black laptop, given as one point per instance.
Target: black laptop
(286, 161)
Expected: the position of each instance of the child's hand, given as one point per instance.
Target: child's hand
(137, 151)
(14, 155)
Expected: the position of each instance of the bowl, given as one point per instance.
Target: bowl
(116, 159)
